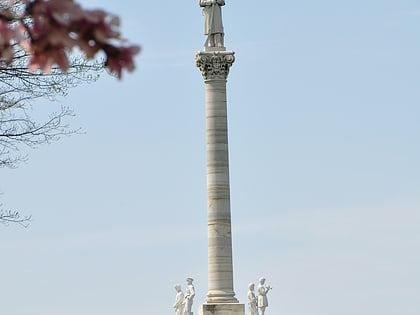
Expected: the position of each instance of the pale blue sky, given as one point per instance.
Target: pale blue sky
(324, 148)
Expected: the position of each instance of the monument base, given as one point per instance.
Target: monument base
(222, 309)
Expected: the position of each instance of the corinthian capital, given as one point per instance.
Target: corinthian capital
(215, 65)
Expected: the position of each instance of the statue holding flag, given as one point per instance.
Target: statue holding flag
(213, 26)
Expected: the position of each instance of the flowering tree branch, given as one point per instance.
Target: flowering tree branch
(49, 29)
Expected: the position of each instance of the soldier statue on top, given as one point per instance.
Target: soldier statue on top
(213, 26)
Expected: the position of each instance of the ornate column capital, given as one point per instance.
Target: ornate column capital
(214, 65)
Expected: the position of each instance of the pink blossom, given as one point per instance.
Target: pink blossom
(119, 58)
(55, 27)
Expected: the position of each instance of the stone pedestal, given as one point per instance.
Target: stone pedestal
(214, 66)
(222, 309)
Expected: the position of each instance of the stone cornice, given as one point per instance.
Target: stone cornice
(214, 65)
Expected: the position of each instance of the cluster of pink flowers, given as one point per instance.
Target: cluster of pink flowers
(50, 29)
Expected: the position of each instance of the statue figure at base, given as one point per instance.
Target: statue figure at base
(252, 300)
(213, 26)
(189, 296)
(262, 295)
(179, 301)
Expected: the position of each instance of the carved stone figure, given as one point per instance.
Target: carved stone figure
(213, 25)
(179, 301)
(262, 295)
(252, 300)
(189, 297)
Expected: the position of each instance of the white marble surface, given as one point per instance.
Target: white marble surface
(222, 309)
(213, 25)
(220, 268)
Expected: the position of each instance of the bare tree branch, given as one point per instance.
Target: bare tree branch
(9, 216)
(20, 124)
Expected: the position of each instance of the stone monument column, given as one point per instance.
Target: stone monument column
(214, 65)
